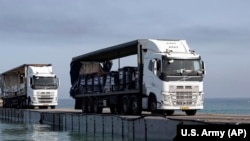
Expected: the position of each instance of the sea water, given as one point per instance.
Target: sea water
(238, 106)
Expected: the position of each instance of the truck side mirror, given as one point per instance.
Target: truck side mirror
(155, 67)
(203, 67)
(31, 83)
(58, 82)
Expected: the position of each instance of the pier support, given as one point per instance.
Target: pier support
(105, 125)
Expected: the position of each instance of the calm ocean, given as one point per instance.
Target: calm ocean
(13, 131)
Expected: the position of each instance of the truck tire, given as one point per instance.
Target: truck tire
(114, 109)
(169, 112)
(84, 106)
(19, 103)
(29, 106)
(24, 103)
(153, 104)
(190, 112)
(125, 105)
(96, 108)
(90, 105)
(135, 106)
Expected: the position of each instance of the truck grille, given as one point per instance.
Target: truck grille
(45, 100)
(45, 97)
(184, 95)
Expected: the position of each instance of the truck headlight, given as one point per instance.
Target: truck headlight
(171, 88)
(166, 97)
(34, 99)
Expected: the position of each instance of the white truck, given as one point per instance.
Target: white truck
(29, 86)
(168, 76)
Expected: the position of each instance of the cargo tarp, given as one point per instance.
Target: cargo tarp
(102, 56)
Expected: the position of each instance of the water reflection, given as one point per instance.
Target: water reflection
(43, 132)
(15, 131)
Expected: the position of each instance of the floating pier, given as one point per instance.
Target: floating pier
(145, 127)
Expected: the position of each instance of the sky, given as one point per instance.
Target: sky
(55, 31)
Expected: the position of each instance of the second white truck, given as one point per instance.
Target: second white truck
(29, 86)
(167, 76)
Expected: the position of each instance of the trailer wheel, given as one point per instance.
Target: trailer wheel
(29, 106)
(114, 109)
(84, 106)
(20, 103)
(125, 105)
(24, 104)
(135, 106)
(4, 103)
(96, 108)
(190, 112)
(90, 105)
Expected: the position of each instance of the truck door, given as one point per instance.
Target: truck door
(151, 76)
(156, 82)
(148, 71)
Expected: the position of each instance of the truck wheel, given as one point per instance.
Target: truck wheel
(190, 112)
(19, 103)
(125, 105)
(169, 112)
(84, 106)
(29, 106)
(135, 106)
(115, 109)
(23, 103)
(90, 105)
(153, 105)
(97, 109)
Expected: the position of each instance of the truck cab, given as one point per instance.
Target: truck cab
(173, 77)
(42, 86)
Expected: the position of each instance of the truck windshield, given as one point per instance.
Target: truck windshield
(44, 82)
(177, 67)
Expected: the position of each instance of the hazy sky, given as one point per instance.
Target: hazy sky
(54, 31)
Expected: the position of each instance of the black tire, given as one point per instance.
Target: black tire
(190, 112)
(84, 106)
(90, 105)
(29, 106)
(135, 106)
(20, 103)
(23, 103)
(96, 108)
(114, 109)
(125, 105)
(169, 112)
(153, 105)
